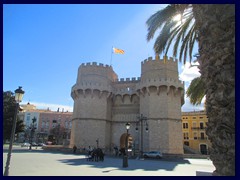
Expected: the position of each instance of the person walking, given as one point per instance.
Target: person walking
(74, 149)
(116, 150)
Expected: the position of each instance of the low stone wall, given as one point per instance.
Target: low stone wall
(63, 149)
(58, 148)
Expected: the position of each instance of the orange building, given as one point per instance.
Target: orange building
(194, 131)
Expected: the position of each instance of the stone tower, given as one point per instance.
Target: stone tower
(91, 113)
(160, 94)
(103, 104)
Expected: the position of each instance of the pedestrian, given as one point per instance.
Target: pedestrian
(116, 150)
(74, 149)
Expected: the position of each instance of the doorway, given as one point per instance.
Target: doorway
(123, 139)
(203, 148)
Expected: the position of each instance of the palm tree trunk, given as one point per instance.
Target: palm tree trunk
(216, 30)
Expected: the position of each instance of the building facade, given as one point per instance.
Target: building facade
(60, 122)
(46, 121)
(194, 131)
(103, 104)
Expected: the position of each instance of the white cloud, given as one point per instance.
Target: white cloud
(187, 107)
(52, 107)
(189, 73)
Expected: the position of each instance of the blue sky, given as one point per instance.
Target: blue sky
(43, 46)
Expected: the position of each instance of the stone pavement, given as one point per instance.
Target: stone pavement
(42, 163)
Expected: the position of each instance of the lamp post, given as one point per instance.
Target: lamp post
(32, 130)
(125, 156)
(18, 98)
(97, 141)
(141, 119)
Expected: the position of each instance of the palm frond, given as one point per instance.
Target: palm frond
(172, 33)
(192, 40)
(185, 44)
(162, 39)
(172, 36)
(158, 19)
(196, 91)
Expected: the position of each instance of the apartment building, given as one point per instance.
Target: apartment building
(45, 121)
(194, 131)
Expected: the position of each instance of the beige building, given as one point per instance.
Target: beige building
(103, 104)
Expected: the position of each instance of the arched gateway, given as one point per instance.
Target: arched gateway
(103, 104)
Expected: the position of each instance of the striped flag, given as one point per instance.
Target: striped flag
(118, 51)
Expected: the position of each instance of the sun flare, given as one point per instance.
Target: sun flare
(177, 17)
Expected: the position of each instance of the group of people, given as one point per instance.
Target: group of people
(96, 154)
(119, 152)
(93, 154)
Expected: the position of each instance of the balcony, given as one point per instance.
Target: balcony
(198, 128)
(202, 138)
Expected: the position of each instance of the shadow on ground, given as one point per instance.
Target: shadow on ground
(115, 163)
(133, 164)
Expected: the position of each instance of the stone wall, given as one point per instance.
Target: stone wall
(103, 104)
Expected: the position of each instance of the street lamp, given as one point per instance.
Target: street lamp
(97, 141)
(18, 98)
(125, 156)
(32, 130)
(141, 119)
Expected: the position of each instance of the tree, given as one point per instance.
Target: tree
(58, 134)
(214, 31)
(196, 91)
(183, 32)
(9, 106)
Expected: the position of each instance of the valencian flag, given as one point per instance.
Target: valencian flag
(118, 51)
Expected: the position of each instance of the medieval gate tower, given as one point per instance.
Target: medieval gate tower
(103, 104)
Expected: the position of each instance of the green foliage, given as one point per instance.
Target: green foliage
(182, 33)
(9, 107)
(58, 133)
(196, 91)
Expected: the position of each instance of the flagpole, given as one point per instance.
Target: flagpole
(111, 56)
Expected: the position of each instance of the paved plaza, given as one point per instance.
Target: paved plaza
(38, 162)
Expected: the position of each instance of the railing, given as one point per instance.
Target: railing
(202, 138)
(198, 128)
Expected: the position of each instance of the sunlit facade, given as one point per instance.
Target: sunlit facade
(194, 131)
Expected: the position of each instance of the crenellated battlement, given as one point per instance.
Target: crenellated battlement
(155, 72)
(164, 61)
(153, 69)
(96, 73)
(95, 64)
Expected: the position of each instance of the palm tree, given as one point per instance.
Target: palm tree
(196, 91)
(213, 28)
(184, 31)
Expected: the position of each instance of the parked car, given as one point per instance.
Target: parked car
(34, 144)
(26, 144)
(152, 154)
(41, 144)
